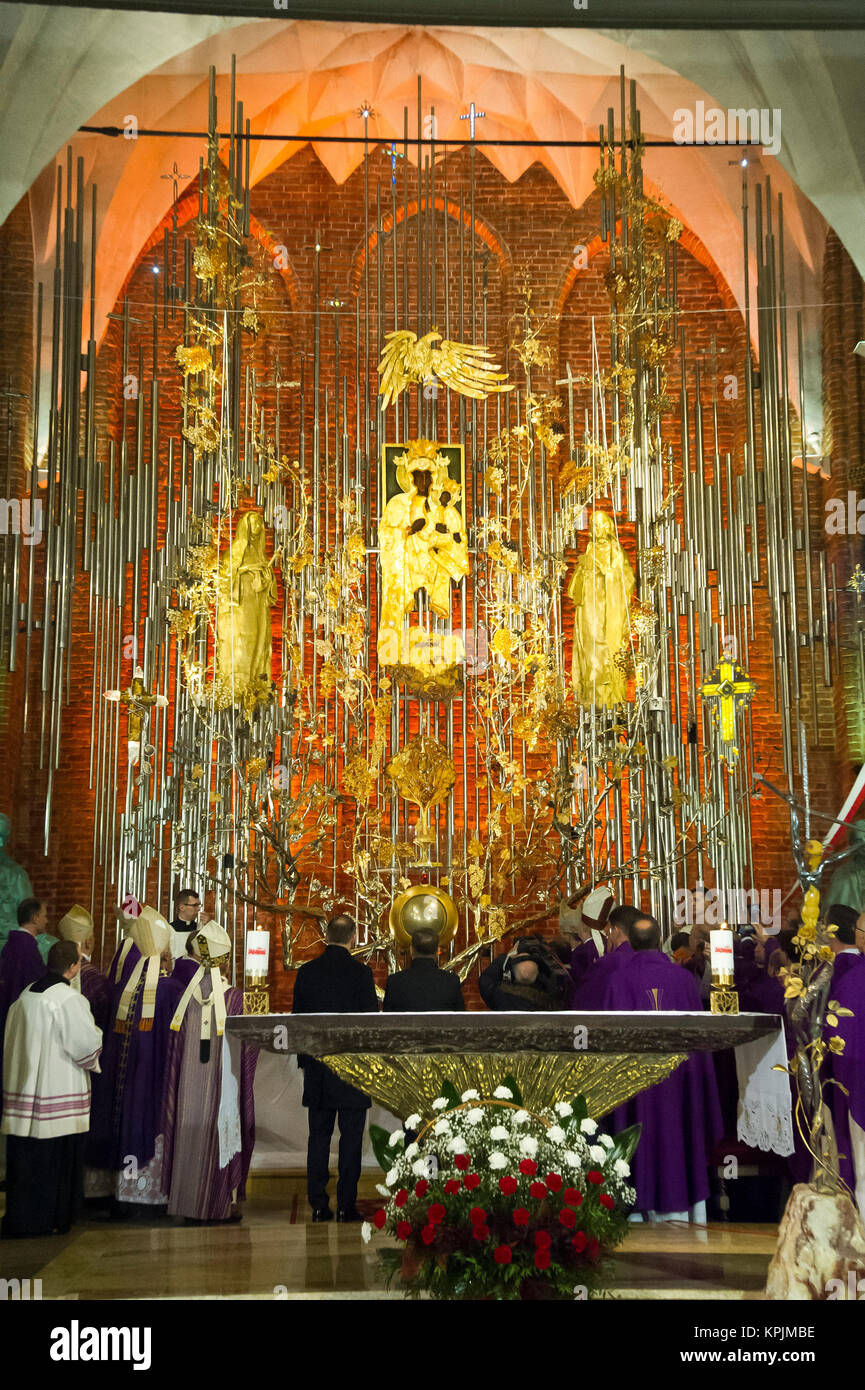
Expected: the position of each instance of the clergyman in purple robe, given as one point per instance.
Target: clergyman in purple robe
(126, 1136)
(209, 1117)
(681, 1116)
(77, 926)
(848, 1067)
(21, 962)
(590, 993)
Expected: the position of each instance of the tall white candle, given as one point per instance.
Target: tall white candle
(257, 956)
(721, 951)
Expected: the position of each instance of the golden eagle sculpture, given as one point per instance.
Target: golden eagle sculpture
(462, 367)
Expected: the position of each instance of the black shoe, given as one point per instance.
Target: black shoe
(322, 1214)
(349, 1214)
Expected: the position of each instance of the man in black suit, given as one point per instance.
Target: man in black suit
(333, 983)
(423, 988)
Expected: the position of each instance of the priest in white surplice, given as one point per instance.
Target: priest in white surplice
(52, 1045)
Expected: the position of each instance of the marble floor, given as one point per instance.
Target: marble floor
(276, 1253)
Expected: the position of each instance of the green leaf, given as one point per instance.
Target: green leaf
(449, 1090)
(581, 1109)
(513, 1088)
(624, 1144)
(380, 1140)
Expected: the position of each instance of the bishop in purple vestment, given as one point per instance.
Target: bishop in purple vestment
(127, 1105)
(209, 1117)
(77, 926)
(848, 1067)
(680, 1117)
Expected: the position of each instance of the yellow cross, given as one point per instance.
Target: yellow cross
(731, 688)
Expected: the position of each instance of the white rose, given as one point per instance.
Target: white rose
(441, 1126)
(457, 1145)
(420, 1167)
(411, 1150)
(382, 1190)
(562, 1108)
(503, 1093)
(529, 1146)
(571, 1159)
(470, 1095)
(588, 1126)
(475, 1116)
(439, 1103)
(413, 1122)
(396, 1138)
(499, 1132)
(497, 1160)
(597, 1154)
(622, 1168)
(556, 1133)
(605, 1140)
(366, 1232)
(521, 1117)
(391, 1177)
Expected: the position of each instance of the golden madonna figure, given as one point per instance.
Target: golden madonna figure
(247, 591)
(422, 544)
(601, 587)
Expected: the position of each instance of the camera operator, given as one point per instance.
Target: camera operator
(528, 977)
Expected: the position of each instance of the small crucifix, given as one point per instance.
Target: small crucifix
(176, 179)
(138, 701)
(730, 688)
(471, 116)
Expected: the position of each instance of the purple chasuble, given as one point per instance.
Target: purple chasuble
(126, 1106)
(196, 1185)
(681, 1117)
(583, 959)
(96, 989)
(848, 1068)
(591, 992)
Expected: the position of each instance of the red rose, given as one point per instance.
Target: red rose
(538, 1191)
(554, 1182)
(580, 1241)
(592, 1248)
(595, 1177)
(436, 1214)
(521, 1217)
(452, 1186)
(568, 1218)
(573, 1197)
(463, 1161)
(477, 1216)
(508, 1186)
(401, 1198)
(403, 1230)
(543, 1240)
(542, 1259)
(528, 1167)
(428, 1235)
(481, 1232)
(502, 1255)
(607, 1201)
(471, 1181)
(379, 1219)
(422, 1188)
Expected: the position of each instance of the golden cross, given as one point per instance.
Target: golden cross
(730, 687)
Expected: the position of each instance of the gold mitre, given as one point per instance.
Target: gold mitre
(211, 945)
(150, 932)
(77, 925)
(420, 453)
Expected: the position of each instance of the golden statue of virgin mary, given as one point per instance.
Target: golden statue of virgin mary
(601, 587)
(247, 591)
